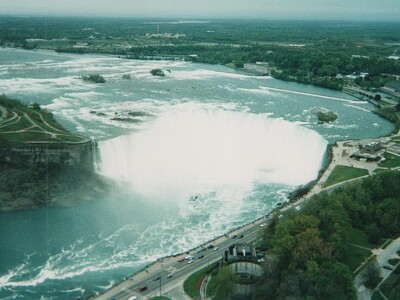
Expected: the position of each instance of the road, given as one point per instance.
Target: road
(179, 270)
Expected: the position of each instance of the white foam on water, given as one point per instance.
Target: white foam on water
(357, 107)
(201, 74)
(194, 151)
(40, 85)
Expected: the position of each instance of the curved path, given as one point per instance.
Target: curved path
(56, 134)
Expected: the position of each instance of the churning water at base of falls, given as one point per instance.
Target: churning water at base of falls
(239, 143)
(190, 151)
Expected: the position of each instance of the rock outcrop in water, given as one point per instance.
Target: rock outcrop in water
(157, 72)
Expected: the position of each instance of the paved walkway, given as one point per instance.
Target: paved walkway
(382, 257)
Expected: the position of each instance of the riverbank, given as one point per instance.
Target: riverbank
(340, 155)
(202, 78)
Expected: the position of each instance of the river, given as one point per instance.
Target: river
(237, 143)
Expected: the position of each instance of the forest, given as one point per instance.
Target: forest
(311, 253)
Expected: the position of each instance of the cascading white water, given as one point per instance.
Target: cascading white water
(189, 152)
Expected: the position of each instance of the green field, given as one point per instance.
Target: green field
(24, 124)
(191, 284)
(343, 173)
(391, 287)
(392, 161)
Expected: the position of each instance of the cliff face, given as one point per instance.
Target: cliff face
(35, 175)
(63, 155)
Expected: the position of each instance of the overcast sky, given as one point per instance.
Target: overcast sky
(260, 9)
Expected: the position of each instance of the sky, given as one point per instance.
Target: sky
(250, 9)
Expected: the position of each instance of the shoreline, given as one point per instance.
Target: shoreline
(337, 157)
(286, 205)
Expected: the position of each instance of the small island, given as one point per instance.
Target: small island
(157, 72)
(326, 116)
(96, 78)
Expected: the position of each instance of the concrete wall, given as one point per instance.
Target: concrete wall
(245, 290)
(246, 267)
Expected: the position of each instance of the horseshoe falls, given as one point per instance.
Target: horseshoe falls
(190, 152)
(239, 143)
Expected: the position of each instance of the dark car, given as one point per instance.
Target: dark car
(201, 256)
(241, 236)
(210, 246)
(157, 278)
(143, 288)
(234, 236)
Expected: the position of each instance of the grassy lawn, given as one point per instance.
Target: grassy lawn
(34, 133)
(70, 138)
(191, 284)
(358, 255)
(377, 171)
(393, 261)
(343, 173)
(392, 161)
(377, 296)
(28, 136)
(212, 286)
(391, 287)
(355, 256)
(358, 237)
(23, 123)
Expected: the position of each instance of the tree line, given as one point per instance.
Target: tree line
(309, 249)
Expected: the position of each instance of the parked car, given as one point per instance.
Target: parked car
(157, 278)
(215, 249)
(181, 260)
(142, 288)
(210, 246)
(201, 256)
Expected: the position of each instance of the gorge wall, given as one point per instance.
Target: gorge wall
(39, 174)
(62, 155)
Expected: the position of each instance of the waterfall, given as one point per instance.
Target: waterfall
(192, 151)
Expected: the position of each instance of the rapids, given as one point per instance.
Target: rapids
(239, 143)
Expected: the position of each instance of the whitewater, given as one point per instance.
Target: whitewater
(239, 143)
(196, 151)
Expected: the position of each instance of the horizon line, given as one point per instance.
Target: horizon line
(197, 18)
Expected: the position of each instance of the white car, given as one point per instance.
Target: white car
(132, 298)
(215, 249)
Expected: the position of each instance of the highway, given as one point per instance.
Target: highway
(172, 272)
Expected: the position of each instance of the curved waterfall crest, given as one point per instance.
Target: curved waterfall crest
(185, 152)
